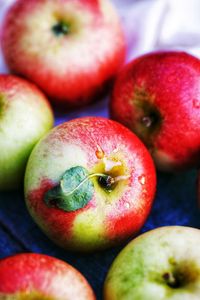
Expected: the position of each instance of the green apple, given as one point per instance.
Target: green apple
(25, 116)
(159, 265)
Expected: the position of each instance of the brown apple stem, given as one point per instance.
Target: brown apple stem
(147, 121)
(107, 181)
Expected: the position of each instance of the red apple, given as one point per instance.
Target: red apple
(158, 97)
(36, 276)
(25, 116)
(68, 48)
(90, 184)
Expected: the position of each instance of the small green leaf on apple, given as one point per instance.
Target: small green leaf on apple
(74, 191)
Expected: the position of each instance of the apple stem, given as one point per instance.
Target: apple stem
(147, 121)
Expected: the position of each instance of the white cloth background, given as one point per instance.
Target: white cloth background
(151, 25)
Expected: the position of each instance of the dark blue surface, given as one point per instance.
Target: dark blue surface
(175, 204)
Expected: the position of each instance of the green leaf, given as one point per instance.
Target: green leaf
(74, 191)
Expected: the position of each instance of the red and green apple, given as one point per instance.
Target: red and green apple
(70, 49)
(162, 264)
(157, 96)
(25, 116)
(31, 276)
(89, 184)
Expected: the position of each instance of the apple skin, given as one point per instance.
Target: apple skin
(157, 96)
(70, 68)
(161, 264)
(31, 276)
(109, 218)
(25, 116)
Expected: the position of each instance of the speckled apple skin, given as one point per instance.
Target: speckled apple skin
(25, 116)
(36, 276)
(171, 82)
(108, 218)
(70, 69)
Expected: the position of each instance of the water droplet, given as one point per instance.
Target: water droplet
(142, 179)
(196, 103)
(127, 205)
(99, 152)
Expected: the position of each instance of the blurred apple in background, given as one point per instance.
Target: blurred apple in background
(70, 49)
(162, 264)
(41, 277)
(25, 116)
(158, 97)
(90, 184)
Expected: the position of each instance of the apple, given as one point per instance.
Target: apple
(25, 116)
(89, 184)
(157, 96)
(31, 276)
(161, 264)
(70, 49)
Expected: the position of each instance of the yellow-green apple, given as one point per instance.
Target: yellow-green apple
(89, 184)
(159, 265)
(25, 116)
(69, 48)
(31, 276)
(158, 97)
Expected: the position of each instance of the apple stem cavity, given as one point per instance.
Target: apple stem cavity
(172, 280)
(61, 28)
(106, 181)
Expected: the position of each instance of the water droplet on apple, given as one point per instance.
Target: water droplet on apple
(196, 103)
(99, 152)
(142, 179)
(127, 205)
